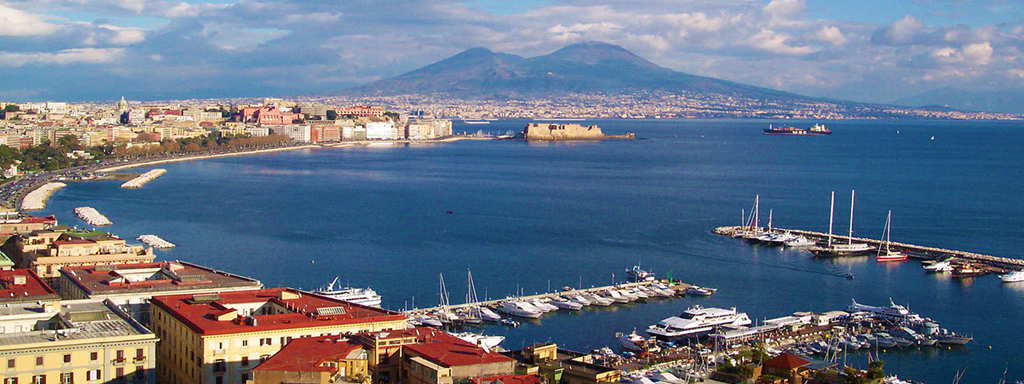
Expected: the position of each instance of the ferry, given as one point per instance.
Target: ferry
(362, 296)
(697, 321)
(893, 312)
(816, 130)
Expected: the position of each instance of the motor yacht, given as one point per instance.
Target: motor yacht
(697, 321)
(520, 309)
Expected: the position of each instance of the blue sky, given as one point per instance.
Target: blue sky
(871, 50)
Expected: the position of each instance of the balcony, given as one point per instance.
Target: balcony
(118, 361)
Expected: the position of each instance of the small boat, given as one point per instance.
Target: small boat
(664, 290)
(429, 321)
(1012, 277)
(598, 300)
(488, 315)
(637, 275)
(509, 323)
(938, 266)
(801, 242)
(631, 341)
(543, 305)
(579, 299)
(566, 304)
(947, 337)
(700, 291)
(616, 296)
(967, 270)
(889, 255)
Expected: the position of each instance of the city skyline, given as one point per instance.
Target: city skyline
(875, 51)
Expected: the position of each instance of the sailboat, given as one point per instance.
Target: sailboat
(473, 315)
(444, 314)
(889, 255)
(833, 249)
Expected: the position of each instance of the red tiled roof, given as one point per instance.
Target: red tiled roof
(508, 379)
(786, 361)
(201, 317)
(307, 353)
(35, 219)
(33, 289)
(450, 351)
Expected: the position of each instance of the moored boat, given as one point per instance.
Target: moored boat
(1012, 277)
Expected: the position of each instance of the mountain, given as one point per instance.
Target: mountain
(1009, 101)
(590, 67)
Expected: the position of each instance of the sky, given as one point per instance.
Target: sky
(865, 50)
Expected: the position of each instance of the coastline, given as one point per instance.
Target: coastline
(202, 157)
(36, 199)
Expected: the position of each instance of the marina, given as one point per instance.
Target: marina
(36, 199)
(91, 216)
(155, 241)
(144, 178)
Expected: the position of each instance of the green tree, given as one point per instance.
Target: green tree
(332, 114)
(12, 108)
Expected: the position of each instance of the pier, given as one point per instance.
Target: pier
(144, 178)
(680, 288)
(914, 251)
(91, 216)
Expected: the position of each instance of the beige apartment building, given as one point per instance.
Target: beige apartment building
(46, 252)
(220, 338)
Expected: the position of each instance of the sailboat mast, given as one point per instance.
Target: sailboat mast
(853, 195)
(831, 213)
(769, 220)
(888, 231)
(757, 211)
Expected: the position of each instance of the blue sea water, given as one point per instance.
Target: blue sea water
(529, 216)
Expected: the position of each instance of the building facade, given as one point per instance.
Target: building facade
(220, 338)
(46, 252)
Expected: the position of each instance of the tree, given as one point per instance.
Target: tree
(12, 108)
(332, 114)
(69, 143)
(392, 115)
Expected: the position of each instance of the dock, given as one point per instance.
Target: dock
(912, 250)
(680, 288)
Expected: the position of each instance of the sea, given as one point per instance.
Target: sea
(534, 217)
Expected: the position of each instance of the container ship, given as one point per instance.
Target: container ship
(816, 129)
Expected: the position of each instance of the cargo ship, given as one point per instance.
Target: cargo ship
(816, 129)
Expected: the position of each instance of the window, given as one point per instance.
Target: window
(10, 363)
(245, 343)
(119, 372)
(120, 355)
(93, 374)
(93, 356)
(11, 380)
(39, 361)
(67, 378)
(139, 354)
(264, 358)
(245, 361)
(39, 379)
(219, 365)
(67, 358)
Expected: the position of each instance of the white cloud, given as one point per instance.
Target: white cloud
(62, 57)
(124, 36)
(783, 12)
(832, 35)
(583, 30)
(1016, 72)
(315, 17)
(775, 42)
(980, 53)
(14, 22)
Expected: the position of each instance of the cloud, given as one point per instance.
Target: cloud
(774, 42)
(903, 31)
(18, 23)
(63, 57)
(832, 35)
(980, 53)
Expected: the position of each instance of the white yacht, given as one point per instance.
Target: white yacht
(893, 312)
(579, 299)
(542, 305)
(697, 321)
(700, 291)
(938, 266)
(631, 341)
(520, 309)
(362, 296)
(637, 274)
(1012, 277)
(484, 341)
(598, 300)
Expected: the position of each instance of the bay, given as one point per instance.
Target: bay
(528, 216)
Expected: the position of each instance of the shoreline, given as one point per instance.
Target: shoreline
(36, 199)
(203, 157)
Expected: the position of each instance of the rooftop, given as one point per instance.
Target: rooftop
(308, 353)
(508, 379)
(21, 285)
(450, 351)
(786, 361)
(266, 309)
(159, 277)
(76, 321)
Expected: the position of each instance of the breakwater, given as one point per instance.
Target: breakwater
(36, 199)
(913, 250)
(144, 178)
(91, 216)
(155, 241)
